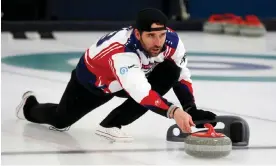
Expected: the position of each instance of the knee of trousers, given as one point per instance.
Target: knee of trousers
(62, 123)
(164, 77)
(166, 71)
(170, 70)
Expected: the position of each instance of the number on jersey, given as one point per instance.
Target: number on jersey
(105, 38)
(110, 35)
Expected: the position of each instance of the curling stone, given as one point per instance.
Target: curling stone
(253, 27)
(253, 31)
(232, 26)
(208, 144)
(213, 27)
(236, 128)
(231, 29)
(214, 24)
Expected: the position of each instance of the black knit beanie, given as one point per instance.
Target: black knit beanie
(146, 17)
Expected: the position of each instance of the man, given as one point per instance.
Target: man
(141, 64)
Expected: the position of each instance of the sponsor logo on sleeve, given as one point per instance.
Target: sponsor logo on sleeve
(123, 70)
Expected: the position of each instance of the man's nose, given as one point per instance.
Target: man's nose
(157, 42)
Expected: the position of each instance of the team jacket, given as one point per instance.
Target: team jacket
(117, 61)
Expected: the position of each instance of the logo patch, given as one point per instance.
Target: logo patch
(183, 59)
(133, 66)
(157, 102)
(123, 70)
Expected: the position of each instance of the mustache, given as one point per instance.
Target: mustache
(157, 47)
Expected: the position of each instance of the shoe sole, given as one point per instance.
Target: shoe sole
(113, 138)
(23, 101)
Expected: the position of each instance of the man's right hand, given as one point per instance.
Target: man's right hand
(183, 120)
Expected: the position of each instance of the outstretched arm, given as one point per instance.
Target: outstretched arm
(184, 89)
(127, 70)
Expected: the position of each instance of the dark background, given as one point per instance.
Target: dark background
(109, 14)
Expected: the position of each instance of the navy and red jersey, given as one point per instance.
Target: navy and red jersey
(117, 61)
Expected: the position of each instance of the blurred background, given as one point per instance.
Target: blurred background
(108, 14)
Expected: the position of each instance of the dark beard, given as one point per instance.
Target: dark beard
(146, 52)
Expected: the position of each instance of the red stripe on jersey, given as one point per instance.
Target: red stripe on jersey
(87, 52)
(103, 60)
(111, 63)
(170, 30)
(167, 51)
(170, 53)
(188, 84)
(105, 50)
(154, 99)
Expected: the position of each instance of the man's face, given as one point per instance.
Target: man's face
(152, 41)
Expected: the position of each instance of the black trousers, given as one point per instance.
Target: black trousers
(77, 101)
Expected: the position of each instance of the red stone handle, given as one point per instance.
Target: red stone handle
(210, 128)
(210, 133)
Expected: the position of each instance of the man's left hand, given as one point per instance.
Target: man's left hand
(199, 114)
